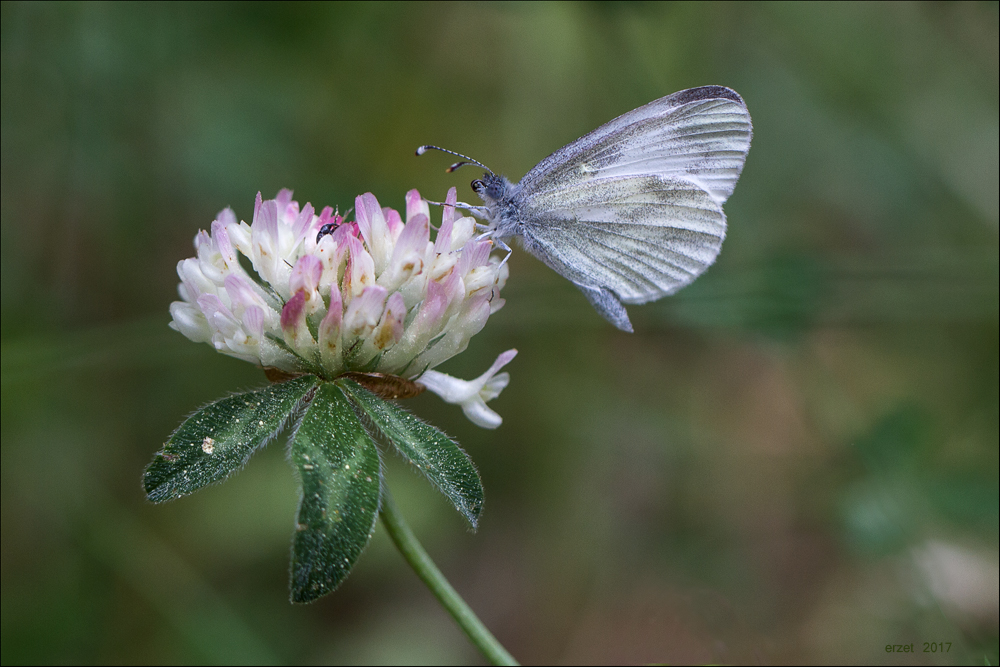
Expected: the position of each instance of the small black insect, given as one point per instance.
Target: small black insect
(335, 221)
(328, 228)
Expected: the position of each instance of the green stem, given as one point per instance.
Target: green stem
(425, 568)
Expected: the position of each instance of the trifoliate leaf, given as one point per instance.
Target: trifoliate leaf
(438, 457)
(220, 438)
(338, 465)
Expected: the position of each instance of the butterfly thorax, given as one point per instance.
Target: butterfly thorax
(500, 197)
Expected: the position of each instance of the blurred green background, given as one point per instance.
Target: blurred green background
(795, 459)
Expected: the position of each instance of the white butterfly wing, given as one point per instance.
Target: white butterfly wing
(639, 237)
(702, 134)
(633, 210)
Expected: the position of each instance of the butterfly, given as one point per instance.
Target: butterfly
(632, 211)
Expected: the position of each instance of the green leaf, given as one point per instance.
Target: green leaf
(339, 468)
(219, 438)
(438, 457)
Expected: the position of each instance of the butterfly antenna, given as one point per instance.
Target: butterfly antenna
(458, 165)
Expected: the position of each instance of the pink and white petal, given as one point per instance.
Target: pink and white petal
(293, 325)
(203, 242)
(243, 294)
(329, 332)
(303, 223)
(360, 271)
(407, 257)
(373, 229)
(474, 254)
(415, 205)
(330, 325)
(393, 222)
(306, 274)
(363, 312)
(449, 215)
(480, 278)
(253, 321)
(266, 244)
(293, 312)
(390, 328)
(220, 234)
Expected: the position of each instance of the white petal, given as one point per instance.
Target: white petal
(190, 322)
(480, 415)
(450, 389)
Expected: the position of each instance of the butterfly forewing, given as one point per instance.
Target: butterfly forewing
(702, 134)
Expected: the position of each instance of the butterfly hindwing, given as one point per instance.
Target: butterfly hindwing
(640, 237)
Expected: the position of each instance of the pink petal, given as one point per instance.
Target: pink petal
(325, 216)
(442, 244)
(449, 215)
(303, 222)
(368, 214)
(364, 311)
(265, 220)
(414, 238)
(434, 304)
(221, 238)
(415, 205)
(474, 254)
(284, 201)
(253, 320)
(226, 216)
(502, 360)
(256, 207)
(360, 271)
(392, 221)
(210, 303)
(293, 311)
(330, 326)
(241, 293)
(391, 327)
(202, 239)
(306, 274)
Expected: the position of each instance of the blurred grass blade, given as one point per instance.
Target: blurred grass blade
(219, 438)
(438, 457)
(338, 465)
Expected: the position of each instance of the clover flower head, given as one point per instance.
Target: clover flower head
(299, 292)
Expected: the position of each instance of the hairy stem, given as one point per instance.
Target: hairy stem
(428, 572)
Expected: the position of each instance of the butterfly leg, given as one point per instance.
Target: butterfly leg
(488, 234)
(503, 246)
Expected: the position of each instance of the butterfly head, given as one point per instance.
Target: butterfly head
(496, 191)
(491, 188)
